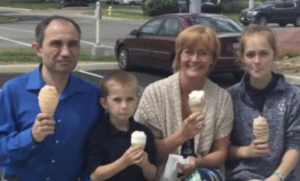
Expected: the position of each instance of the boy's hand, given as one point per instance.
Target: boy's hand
(132, 155)
(143, 161)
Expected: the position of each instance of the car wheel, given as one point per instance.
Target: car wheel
(282, 24)
(238, 75)
(123, 60)
(297, 21)
(262, 21)
(245, 24)
(132, 3)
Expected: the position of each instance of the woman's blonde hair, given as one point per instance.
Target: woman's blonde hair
(254, 30)
(193, 35)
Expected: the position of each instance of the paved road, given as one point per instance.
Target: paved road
(21, 33)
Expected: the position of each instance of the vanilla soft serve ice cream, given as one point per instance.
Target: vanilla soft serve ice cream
(197, 101)
(138, 138)
(48, 99)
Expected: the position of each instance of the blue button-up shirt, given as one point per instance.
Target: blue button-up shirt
(60, 157)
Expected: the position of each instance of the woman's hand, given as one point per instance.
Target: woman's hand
(273, 178)
(190, 167)
(257, 149)
(192, 125)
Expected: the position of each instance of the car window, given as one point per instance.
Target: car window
(151, 27)
(288, 5)
(171, 27)
(278, 6)
(264, 5)
(220, 25)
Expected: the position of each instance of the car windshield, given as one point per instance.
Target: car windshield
(219, 24)
(264, 5)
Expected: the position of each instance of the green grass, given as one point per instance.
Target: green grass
(233, 16)
(30, 4)
(5, 18)
(26, 55)
(122, 14)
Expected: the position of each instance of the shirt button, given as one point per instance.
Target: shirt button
(53, 161)
(57, 141)
(33, 147)
(48, 178)
(59, 120)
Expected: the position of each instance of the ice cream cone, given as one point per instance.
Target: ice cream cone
(48, 99)
(138, 138)
(261, 128)
(197, 101)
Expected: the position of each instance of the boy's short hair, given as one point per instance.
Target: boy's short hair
(120, 77)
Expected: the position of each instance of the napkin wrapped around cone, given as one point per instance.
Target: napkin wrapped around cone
(48, 99)
(261, 128)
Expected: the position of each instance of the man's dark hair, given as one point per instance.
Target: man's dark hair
(41, 27)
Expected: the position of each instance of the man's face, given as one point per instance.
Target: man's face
(60, 48)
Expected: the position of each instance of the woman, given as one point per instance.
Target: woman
(263, 93)
(203, 138)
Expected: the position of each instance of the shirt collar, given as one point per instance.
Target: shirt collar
(114, 131)
(280, 86)
(36, 82)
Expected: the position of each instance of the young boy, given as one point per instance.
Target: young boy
(110, 155)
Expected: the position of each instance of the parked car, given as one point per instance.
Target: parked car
(112, 1)
(131, 2)
(153, 44)
(281, 12)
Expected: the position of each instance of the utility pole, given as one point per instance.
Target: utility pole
(195, 6)
(98, 49)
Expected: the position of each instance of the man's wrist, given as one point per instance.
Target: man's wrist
(280, 176)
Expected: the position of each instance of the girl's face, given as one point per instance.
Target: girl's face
(196, 61)
(258, 56)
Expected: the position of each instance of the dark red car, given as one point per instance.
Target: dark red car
(153, 44)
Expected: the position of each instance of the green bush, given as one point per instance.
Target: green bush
(237, 6)
(159, 7)
(217, 9)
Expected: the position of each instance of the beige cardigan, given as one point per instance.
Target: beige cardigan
(160, 109)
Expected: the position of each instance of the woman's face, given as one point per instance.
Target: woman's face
(196, 61)
(258, 57)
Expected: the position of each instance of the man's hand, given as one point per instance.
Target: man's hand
(257, 148)
(190, 167)
(43, 126)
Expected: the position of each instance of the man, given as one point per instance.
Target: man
(35, 146)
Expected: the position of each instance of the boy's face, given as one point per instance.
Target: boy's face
(121, 101)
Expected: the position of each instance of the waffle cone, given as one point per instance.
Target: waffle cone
(48, 99)
(261, 128)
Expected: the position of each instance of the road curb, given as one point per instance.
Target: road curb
(9, 21)
(81, 66)
(108, 18)
(9, 8)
